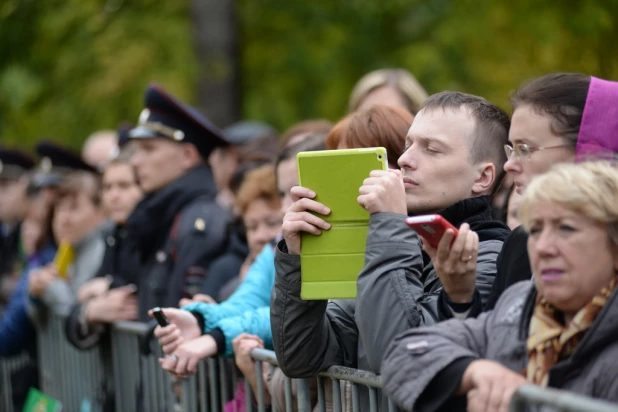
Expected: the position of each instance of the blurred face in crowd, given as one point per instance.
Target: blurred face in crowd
(512, 218)
(534, 130)
(571, 256)
(287, 178)
(385, 95)
(12, 199)
(75, 217)
(224, 162)
(120, 193)
(158, 162)
(34, 228)
(262, 222)
(436, 163)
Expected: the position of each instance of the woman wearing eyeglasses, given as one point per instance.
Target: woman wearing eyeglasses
(556, 118)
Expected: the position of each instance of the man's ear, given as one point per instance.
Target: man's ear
(486, 176)
(191, 156)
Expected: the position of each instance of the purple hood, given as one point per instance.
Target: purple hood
(598, 133)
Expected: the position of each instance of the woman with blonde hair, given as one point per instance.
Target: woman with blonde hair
(557, 331)
(392, 87)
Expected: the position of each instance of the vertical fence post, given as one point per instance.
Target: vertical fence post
(304, 395)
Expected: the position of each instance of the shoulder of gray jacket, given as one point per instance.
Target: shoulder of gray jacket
(510, 305)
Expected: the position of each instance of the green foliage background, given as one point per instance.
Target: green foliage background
(70, 67)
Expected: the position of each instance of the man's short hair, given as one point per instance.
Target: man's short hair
(492, 127)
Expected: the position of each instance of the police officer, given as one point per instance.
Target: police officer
(14, 166)
(178, 229)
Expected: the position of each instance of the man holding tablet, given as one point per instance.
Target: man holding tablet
(452, 164)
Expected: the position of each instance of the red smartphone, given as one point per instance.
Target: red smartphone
(430, 227)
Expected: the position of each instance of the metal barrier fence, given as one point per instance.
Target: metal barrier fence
(534, 398)
(85, 380)
(74, 377)
(8, 367)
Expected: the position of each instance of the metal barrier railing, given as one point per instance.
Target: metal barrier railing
(72, 376)
(138, 383)
(9, 366)
(141, 384)
(534, 398)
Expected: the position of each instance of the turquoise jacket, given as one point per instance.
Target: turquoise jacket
(248, 309)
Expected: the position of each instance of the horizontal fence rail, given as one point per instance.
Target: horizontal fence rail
(535, 398)
(123, 374)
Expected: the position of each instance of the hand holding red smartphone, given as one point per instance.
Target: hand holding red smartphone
(431, 228)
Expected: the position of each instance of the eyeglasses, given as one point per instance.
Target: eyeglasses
(522, 150)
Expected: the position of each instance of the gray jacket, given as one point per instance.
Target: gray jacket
(421, 361)
(397, 290)
(60, 296)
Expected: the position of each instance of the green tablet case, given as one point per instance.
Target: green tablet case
(331, 262)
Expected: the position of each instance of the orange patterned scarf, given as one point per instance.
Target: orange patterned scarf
(549, 341)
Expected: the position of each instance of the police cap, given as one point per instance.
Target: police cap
(14, 163)
(167, 117)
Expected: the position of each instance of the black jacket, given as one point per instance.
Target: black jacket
(513, 265)
(123, 268)
(118, 261)
(177, 233)
(228, 265)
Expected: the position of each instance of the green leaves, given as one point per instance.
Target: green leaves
(71, 67)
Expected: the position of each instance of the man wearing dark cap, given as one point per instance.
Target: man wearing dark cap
(14, 166)
(178, 229)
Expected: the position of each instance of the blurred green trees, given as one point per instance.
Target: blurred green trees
(302, 61)
(70, 67)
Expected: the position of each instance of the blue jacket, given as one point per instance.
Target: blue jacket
(16, 329)
(248, 309)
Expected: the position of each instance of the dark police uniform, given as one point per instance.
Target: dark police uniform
(179, 230)
(13, 165)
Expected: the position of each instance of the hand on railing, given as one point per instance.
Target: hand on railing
(186, 357)
(93, 288)
(243, 345)
(117, 304)
(489, 386)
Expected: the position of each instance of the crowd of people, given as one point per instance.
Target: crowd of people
(174, 212)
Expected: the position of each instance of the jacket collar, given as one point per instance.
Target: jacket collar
(153, 217)
(468, 210)
(601, 333)
(476, 211)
